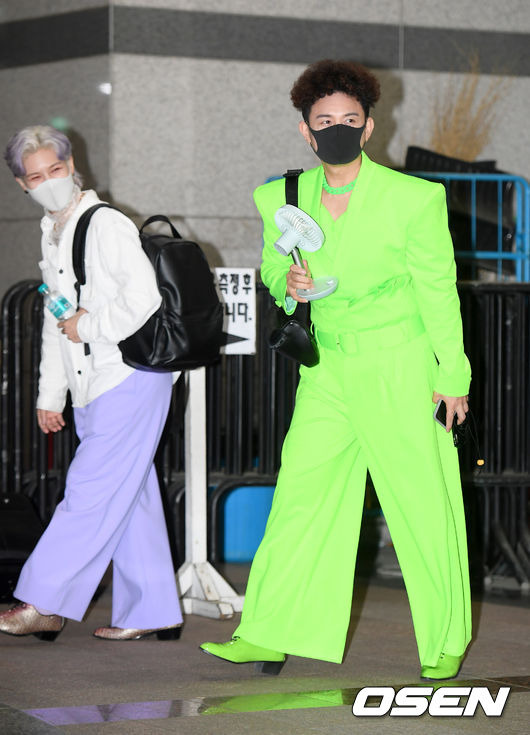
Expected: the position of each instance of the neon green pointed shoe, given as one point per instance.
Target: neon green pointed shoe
(446, 668)
(238, 651)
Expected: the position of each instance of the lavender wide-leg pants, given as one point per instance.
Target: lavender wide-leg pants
(111, 510)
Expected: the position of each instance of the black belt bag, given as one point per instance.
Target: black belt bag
(293, 338)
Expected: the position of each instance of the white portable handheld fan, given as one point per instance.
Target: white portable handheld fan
(300, 230)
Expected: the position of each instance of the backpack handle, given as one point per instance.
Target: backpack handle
(161, 218)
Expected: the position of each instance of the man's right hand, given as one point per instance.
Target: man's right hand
(49, 420)
(298, 278)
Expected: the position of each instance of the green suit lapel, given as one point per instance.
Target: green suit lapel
(310, 191)
(358, 197)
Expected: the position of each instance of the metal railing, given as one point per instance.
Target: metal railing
(496, 320)
(489, 219)
(250, 399)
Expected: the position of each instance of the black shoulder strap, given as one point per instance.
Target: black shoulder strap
(291, 185)
(78, 251)
(291, 197)
(78, 245)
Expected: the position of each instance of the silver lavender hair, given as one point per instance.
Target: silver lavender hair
(31, 139)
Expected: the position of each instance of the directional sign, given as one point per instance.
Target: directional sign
(237, 289)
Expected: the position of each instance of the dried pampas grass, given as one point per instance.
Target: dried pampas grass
(463, 116)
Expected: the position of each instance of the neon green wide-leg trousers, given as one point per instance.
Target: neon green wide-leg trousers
(368, 410)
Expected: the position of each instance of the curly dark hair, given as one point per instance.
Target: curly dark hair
(329, 76)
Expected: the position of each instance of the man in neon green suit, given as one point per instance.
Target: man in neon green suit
(390, 340)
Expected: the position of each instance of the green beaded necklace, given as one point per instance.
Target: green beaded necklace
(338, 189)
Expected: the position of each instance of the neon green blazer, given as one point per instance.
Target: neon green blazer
(392, 253)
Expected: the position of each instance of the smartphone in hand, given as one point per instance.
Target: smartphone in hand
(440, 412)
(460, 431)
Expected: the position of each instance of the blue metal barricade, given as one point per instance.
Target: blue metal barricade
(489, 219)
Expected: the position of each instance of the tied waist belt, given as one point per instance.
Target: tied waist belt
(353, 343)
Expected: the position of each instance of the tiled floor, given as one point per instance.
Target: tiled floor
(80, 685)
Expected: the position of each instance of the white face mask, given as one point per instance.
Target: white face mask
(53, 194)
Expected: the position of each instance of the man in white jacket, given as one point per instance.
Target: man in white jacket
(112, 509)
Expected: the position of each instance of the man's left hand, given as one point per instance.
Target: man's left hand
(69, 326)
(454, 405)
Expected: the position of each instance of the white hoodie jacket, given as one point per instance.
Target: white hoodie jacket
(120, 295)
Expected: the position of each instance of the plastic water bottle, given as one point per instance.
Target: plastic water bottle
(59, 306)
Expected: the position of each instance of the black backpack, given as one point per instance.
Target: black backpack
(186, 331)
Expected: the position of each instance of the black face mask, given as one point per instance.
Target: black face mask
(338, 144)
